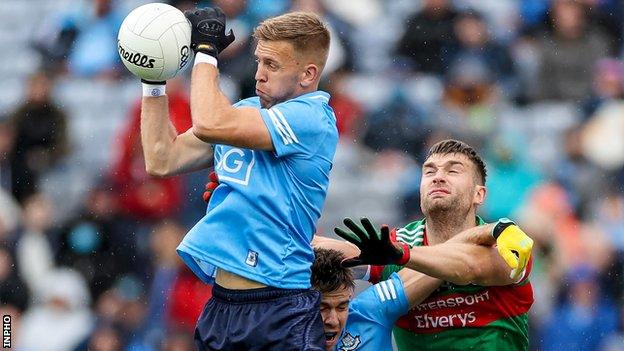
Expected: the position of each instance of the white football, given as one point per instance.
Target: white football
(154, 42)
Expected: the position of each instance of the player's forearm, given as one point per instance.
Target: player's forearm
(480, 235)
(345, 247)
(452, 262)
(418, 286)
(210, 109)
(157, 135)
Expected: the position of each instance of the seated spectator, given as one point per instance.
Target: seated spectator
(568, 52)
(41, 138)
(608, 85)
(62, 319)
(428, 35)
(474, 43)
(584, 318)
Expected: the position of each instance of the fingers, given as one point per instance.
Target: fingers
(370, 229)
(351, 262)
(508, 256)
(348, 236)
(385, 233)
(355, 229)
(213, 177)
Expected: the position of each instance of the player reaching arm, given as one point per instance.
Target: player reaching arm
(457, 261)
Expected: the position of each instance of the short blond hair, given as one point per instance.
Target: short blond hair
(305, 30)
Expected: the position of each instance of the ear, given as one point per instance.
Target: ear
(309, 75)
(479, 195)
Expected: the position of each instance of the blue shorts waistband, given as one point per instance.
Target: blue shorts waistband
(253, 295)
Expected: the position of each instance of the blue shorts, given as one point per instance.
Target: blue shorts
(261, 319)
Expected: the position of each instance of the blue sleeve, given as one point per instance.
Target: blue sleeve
(385, 301)
(296, 127)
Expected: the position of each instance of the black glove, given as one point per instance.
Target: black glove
(376, 248)
(208, 31)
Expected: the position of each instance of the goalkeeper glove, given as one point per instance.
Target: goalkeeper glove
(376, 247)
(208, 31)
(513, 245)
(212, 184)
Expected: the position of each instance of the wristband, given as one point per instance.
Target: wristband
(500, 226)
(153, 89)
(200, 57)
(406, 254)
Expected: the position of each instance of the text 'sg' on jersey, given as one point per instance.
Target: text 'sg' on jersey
(372, 315)
(261, 217)
(470, 317)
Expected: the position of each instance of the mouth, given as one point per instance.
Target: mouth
(439, 192)
(330, 337)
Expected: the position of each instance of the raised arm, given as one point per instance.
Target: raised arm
(215, 120)
(167, 153)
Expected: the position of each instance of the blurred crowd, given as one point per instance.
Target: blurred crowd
(537, 86)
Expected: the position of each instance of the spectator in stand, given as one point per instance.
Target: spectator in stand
(474, 43)
(428, 36)
(41, 138)
(348, 112)
(62, 319)
(568, 52)
(97, 244)
(584, 318)
(608, 85)
(35, 246)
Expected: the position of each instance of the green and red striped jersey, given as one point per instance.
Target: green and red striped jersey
(456, 317)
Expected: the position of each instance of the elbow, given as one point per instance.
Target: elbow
(159, 172)
(202, 132)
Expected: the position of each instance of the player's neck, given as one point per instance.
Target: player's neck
(444, 225)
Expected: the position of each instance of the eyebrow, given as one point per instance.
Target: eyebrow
(451, 163)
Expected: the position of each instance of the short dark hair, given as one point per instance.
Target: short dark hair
(328, 274)
(451, 146)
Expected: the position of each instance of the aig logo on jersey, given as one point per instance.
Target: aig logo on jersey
(235, 165)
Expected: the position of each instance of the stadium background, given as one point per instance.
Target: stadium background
(87, 239)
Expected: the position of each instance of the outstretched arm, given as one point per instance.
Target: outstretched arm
(455, 261)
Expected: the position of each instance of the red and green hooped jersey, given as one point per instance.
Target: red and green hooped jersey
(456, 317)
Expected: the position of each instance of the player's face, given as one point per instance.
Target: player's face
(335, 310)
(279, 73)
(449, 183)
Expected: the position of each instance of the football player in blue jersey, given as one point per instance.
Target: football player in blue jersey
(272, 155)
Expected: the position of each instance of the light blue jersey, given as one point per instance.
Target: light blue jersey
(261, 217)
(372, 315)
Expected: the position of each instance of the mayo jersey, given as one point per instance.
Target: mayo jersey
(261, 217)
(372, 315)
(470, 317)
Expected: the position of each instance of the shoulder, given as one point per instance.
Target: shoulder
(315, 100)
(248, 102)
(412, 233)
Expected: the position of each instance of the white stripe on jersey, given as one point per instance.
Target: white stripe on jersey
(380, 293)
(392, 290)
(280, 129)
(410, 232)
(384, 287)
(285, 123)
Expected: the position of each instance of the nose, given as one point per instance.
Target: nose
(260, 74)
(439, 178)
(331, 318)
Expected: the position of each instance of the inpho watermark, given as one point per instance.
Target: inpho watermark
(6, 331)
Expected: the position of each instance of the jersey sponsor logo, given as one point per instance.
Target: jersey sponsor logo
(235, 165)
(426, 321)
(456, 301)
(476, 309)
(252, 258)
(349, 342)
